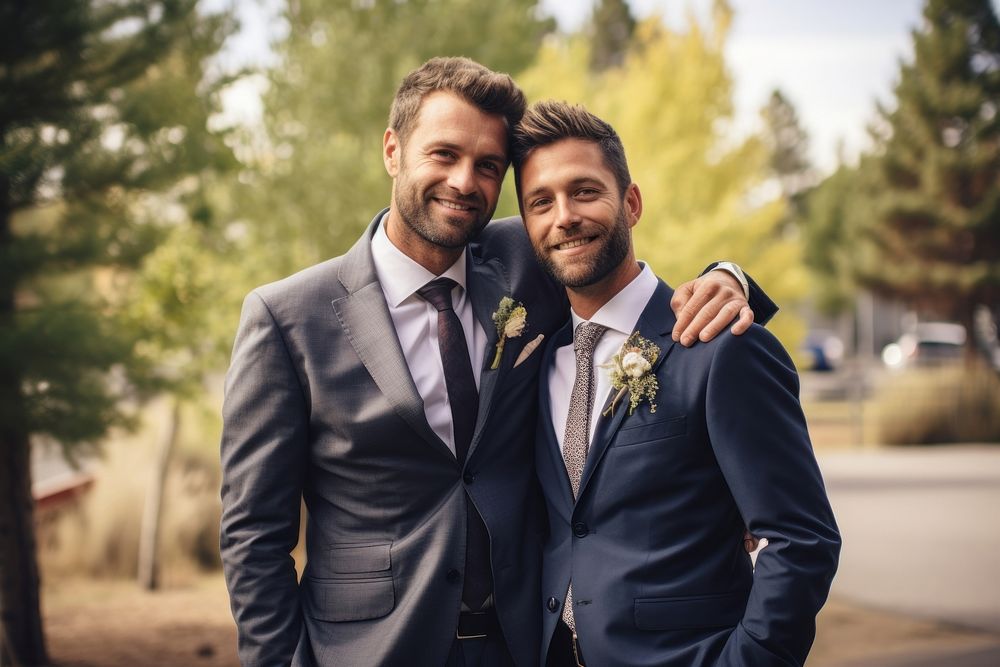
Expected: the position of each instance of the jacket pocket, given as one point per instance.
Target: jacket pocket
(658, 430)
(353, 583)
(690, 612)
(351, 599)
(357, 558)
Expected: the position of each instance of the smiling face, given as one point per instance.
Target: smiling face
(578, 222)
(446, 178)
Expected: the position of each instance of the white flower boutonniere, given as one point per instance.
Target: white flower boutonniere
(630, 371)
(510, 319)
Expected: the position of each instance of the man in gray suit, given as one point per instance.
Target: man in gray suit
(393, 390)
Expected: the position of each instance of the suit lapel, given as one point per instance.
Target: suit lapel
(655, 325)
(487, 285)
(366, 322)
(550, 442)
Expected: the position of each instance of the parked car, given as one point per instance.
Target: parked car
(929, 344)
(824, 350)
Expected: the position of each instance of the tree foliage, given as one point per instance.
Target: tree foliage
(931, 235)
(103, 116)
(611, 28)
(318, 179)
(671, 102)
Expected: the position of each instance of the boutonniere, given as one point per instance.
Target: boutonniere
(630, 371)
(510, 318)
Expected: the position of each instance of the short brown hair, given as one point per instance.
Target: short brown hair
(491, 92)
(548, 122)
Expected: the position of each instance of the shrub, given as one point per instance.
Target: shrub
(939, 405)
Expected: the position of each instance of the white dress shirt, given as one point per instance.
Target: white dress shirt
(620, 316)
(416, 326)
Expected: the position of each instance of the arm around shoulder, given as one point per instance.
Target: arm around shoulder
(264, 450)
(760, 439)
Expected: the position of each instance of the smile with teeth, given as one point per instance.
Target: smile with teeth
(455, 206)
(575, 243)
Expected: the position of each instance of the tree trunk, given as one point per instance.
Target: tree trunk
(22, 640)
(149, 537)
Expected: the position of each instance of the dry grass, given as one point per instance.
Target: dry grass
(100, 536)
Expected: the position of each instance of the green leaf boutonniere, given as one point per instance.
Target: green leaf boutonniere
(510, 319)
(631, 371)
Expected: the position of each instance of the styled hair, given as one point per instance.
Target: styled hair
(548, 122)
(491, 92)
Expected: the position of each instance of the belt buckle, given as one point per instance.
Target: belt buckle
(458, 630)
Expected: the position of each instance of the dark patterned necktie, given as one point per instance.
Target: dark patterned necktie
(576, 440)
(464, 399)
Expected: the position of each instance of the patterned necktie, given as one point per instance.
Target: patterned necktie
(576, 440)
(464, 399)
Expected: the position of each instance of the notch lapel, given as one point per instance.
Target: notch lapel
(366, 322)
(655, 325)
(487, 285)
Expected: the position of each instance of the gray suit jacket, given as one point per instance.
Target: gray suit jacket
(320, 407)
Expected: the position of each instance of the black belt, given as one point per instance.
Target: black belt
(478, 624)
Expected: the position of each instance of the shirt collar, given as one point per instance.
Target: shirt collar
(399, 275)
(623, 310)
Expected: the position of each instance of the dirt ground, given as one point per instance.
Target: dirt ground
(113, 624)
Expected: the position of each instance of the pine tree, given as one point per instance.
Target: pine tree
(933, 236)
(788, 144)
(611, 27)
(103, 112)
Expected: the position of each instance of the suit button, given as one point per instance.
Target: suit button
(580, 529)
(552, 604)
(453, 576)
(469, 478)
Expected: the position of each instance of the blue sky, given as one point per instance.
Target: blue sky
(832, 58)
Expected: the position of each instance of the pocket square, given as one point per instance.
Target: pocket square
(528, 349)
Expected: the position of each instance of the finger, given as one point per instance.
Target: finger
(712, 320)
(682, 295)
(743, 324)
(727, 313)
(750, 543)
(697, 312)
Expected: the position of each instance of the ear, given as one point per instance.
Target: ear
(391, 152)
(633, 204)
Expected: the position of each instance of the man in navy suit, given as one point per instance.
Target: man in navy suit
(652, 456)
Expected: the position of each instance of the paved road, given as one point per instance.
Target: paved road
(921, 530)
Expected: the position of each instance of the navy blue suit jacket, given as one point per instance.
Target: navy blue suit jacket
(654, 543)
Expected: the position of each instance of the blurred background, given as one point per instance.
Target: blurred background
(159, 159)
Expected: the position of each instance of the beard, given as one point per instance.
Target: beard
(436, 228)
(607, 259)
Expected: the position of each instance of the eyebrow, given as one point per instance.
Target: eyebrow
(576, 182)
(502, 159)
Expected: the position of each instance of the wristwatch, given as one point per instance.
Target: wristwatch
(736, 272)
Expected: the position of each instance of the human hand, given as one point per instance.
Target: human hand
(705, 305)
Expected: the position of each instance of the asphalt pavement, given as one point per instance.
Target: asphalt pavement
(921, 531)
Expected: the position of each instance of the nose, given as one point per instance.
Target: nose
(565, 215)
(462, 177)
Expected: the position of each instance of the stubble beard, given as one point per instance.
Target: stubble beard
(609, 258)
(415, 213)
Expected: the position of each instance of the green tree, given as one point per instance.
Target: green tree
(611, 28)
(670, 102)
(933, 235)
(103, 110)
(788, 144)
(317, 178)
